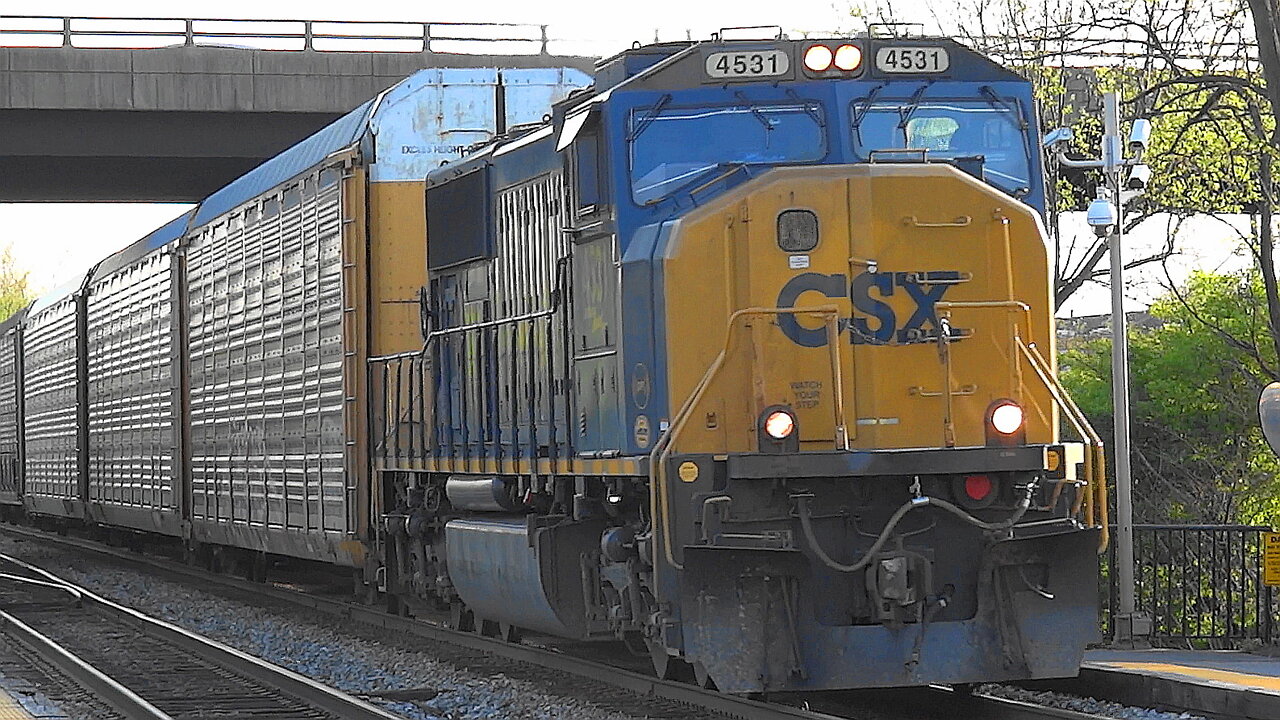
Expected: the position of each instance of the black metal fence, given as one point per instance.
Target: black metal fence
(1200, 584)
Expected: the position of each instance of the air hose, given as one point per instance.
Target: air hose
(806, 523)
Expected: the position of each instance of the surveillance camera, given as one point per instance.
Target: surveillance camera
(1140, 135)
(1139, 177)
(1101, 216)
(1057, 137)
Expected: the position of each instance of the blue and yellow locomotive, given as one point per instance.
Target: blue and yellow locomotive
(745, 356)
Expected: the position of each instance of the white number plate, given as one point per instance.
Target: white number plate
(912, 60)
(748, 64)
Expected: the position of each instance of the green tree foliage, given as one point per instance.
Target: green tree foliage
(1198, 453)
(14, 293)
(1178, 63)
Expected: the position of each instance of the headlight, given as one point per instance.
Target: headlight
(848, 57)
(818, 58)
(779, 424)
(1007, 418)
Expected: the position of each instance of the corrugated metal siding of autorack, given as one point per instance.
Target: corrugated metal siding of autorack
(132, 384)
(265, 303)
(10, 409)
(131, 387)
(50, 390)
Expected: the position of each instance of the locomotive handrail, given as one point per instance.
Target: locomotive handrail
(943, 309)
(1094, 500)
(659, 501)
(1095, 462)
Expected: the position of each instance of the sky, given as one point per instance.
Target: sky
(56, 242)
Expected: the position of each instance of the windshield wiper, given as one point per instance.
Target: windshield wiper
(649, 117)
(906, 111)
(809, 108)
(860, 111)
(1000, 103)
(754, 110)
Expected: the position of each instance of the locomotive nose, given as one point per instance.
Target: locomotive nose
(882, 304)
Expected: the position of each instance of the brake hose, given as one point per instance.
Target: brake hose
(806, 523)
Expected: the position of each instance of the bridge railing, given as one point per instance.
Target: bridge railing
(1201, 585)
(286, 35)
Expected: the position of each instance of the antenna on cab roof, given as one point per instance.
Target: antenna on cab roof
(895, 29)
(778, 35)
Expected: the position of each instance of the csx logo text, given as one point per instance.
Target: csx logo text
(874, 321)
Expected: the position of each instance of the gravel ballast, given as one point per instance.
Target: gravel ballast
(1105, 708)
(320, 647)
(418, 683)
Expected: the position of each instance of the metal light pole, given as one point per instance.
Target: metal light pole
(1105, 216)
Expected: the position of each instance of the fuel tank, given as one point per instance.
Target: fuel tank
(512, 570)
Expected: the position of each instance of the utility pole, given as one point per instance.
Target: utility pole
(1106, 217)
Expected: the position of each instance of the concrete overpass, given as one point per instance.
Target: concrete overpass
(177, 121)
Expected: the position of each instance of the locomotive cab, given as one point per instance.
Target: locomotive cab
(747, 357)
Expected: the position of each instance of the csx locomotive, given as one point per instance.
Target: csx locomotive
(742, 355)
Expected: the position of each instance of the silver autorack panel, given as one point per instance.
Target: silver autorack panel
(132, 432)
(265, 304)
(49, 383)
(10, 470)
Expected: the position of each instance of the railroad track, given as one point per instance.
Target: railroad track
(147, 669)
(896, 704)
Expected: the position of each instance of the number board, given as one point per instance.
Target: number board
(912, 60)
(1271, 559)
(748, 64)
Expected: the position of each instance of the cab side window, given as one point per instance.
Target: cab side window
(589, 171)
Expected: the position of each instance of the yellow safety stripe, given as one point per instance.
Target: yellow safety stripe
(1265, 682)
(604, 466)
(11, 710)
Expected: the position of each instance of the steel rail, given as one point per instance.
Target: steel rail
(318, 695)
(120, 698)
(944, 705)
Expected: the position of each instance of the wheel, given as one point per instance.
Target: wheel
(964, 689)
(508, 632)
(702, 677)
(486, 627)
(667, 666)
(460, 618)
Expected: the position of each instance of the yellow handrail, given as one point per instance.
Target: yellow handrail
(1095, 462)
(659, 500)
(1094, 499)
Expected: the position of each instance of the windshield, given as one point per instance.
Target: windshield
(673, 147)
(949, 129)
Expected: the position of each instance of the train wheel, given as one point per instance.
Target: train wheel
(702, 677)
(486, 627)
(669, 667)
(508, 632)
(460, 618)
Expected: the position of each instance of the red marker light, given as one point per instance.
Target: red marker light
(977, 487)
